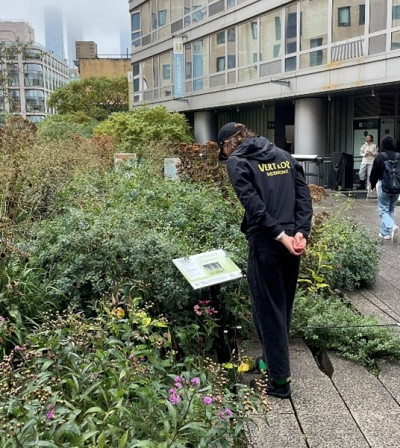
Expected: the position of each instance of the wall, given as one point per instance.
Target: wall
(112, 68)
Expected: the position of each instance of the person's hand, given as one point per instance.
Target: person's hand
(299, 244)
(287, 241)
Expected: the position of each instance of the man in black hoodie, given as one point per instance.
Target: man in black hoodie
(271, 186)
(386, 201)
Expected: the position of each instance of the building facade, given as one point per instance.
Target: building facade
(312, 75)
(28, 75)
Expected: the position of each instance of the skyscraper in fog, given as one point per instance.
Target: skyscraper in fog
(74, 34)
(54, 30)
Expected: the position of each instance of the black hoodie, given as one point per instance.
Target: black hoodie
(271, 186)
(388, 145)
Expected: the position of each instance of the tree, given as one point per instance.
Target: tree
(138, 130)
(97, 97)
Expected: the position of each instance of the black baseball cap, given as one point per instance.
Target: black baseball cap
(225, 132)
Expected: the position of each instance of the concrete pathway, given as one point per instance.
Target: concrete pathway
(347, 407)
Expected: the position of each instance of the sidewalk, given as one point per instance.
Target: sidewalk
(350, 407)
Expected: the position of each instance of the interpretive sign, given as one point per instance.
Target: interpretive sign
(208, 268)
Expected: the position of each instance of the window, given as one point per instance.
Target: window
(231, 35)
(344, 16)
(276, 50)
(135, 21)
(166, 70)
(231, 61)
(221, 64)
(361, 15)
(290, 47)
(153, 21)
(230, 3)
(13, 75)
(290, 64)
(278, 30)
(136, 39)
(254, 30)
(162, 17)
(221, 37)
(396, 12)
(316, 57)
(291, 26)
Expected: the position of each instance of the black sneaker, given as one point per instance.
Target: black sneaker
(278, 390)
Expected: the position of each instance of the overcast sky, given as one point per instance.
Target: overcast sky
(102, 20)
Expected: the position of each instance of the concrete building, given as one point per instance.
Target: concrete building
(89, 64)
(28, 73)
(314, 76)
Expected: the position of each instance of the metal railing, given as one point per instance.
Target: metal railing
(318, 169)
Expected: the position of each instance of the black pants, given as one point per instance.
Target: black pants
(272, 275)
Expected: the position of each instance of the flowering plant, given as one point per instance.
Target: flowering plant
(113, 381)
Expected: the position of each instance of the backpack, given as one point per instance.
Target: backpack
(391, 174)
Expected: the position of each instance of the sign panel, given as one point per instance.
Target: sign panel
(170, 168)
(178, 68)
(208, 268)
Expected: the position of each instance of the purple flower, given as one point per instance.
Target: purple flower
(228, 412)
(197, 310)
(2, 319)
(207, 400)
(17, 348)
(221, 414)
(173, 397)
(195, 381)
(178, 382)
(50, 412)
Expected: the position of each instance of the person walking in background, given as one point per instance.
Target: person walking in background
(387, 199)
(368, 152)
(271, 186)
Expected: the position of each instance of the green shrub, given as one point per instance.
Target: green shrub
(63, 127)
(33, 171)
(126, 227)
(342, 253)
(140, 130)
(331, 323)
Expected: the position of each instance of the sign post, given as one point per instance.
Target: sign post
(210, 269)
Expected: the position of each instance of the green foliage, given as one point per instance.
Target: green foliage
(126, 227)
(97, 97)
(341, 253)
(63, 127)
(23, 296)
(137, 131)
(113, 381)
(33, 171)
(351, 334)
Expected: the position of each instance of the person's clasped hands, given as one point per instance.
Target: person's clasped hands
(295, 245)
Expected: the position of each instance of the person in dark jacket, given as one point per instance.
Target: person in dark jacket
(386, 201)
(271, 186)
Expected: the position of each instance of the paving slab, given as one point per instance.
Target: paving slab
(321, 412)
(389, 375)
(370, 403)
(368, 304)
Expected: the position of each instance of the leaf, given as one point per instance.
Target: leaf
(95, 410)
(47, 364)
(243, 367)
(101, 440)
(123, 440)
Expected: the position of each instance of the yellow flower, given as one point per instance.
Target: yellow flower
(118, 312)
